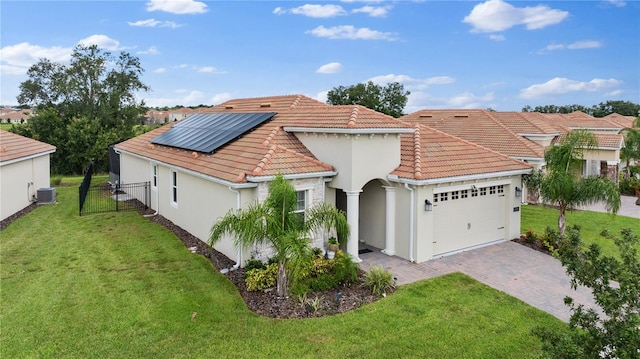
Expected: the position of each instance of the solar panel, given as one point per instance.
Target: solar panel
(208, 132)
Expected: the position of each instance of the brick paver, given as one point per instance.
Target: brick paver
(533, 277)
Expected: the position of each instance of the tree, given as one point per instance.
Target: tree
(563, 186)
(90, 102)
(389, 100)
(631, 149)
(274, 222)
(615, 284)
(624, 108)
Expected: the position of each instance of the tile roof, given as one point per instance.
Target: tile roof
(579, 120)
(531, 123)
(429, 154)
(480, 127)
(620, 120)
(604, 140)
(14, 147)
(269, 149)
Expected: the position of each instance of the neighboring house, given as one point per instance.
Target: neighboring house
(409, 190)
(13, 116)
(24, 168)
(155, 117)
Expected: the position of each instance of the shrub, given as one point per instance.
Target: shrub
(344, 268)
(323, 282)
(379, 280)
(56, 180)
(259, 279)
(253, 264)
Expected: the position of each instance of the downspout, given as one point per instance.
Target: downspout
(239, 255)
(411, 221)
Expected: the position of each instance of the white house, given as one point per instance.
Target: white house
(24, 168)
(408, 190)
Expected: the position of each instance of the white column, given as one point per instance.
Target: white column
(390, 221)
(353, 216)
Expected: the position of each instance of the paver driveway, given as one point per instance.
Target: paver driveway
(533, 277)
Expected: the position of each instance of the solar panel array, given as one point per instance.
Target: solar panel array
(208, 132)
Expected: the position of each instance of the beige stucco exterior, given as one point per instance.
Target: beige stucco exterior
(19, 181)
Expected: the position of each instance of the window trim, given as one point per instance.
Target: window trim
(154, 176)
(174, 187)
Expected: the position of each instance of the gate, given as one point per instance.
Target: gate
(112, 197)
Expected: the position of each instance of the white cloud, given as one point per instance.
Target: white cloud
(330, 68)
(420, 100)
(377, 11)
(497, 15)
(208, 70)
(412, 83)
(578, 45)
(617, 3)
(495, 37)
(160, 70)
(155, 23)
(322, 96)
(561, 86)
(177, 6)
(191, 98)
(220, 98)
(319, 11)
(469, 100)
(16, 59)
(103, 41)
(150, 51)
(613, 93)
(352, 33)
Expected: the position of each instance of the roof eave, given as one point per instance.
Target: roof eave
(20, 159)
(256, 179)
(349, 131)
(395, 178)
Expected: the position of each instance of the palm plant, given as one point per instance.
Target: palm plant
(275, 223)
(563, 186)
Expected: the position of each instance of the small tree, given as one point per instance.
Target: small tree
(615, 284)
(274, 222)
(563, 186)
(389, 100)
(533, 181)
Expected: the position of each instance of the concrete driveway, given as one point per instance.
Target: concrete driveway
(533, 277)
(627, 207)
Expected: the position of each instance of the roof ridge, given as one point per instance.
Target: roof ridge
(352, 118)
(417, 155)
(264, 161)
(272, 135)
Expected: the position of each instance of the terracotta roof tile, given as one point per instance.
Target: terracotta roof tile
(13, 146)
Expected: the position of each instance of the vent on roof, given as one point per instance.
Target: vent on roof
(426, 115)
(46, 195)
(266, 104)
(461, 116)
(228, 107)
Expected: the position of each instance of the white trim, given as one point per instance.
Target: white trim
(348, 131)
(293, 176)
(468, 186)
(174, 188)
(20, 159)
(395, 178)
(190, 172)
(539, 135)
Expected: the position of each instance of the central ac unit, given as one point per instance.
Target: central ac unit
(47, 195)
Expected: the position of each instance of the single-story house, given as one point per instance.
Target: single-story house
(24, 168)
(408, 190)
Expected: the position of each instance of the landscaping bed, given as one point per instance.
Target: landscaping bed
(267, 302)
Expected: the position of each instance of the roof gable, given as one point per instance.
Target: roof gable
(14, 147)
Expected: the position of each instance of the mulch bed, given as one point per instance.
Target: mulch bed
(266, 302)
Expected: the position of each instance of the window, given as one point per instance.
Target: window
(154, 183)
(435, 198)
(483, 191)
(474, 192)
(464, 193)
(501, 189)
(301, 204)
(444, 196)
(174, 187)
(492, 190)
(455, 195)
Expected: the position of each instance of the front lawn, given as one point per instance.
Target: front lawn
(118, 285)
(537, 218)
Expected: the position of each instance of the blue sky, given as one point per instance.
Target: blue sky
(449, 54)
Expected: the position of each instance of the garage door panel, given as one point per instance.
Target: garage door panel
(467, 222)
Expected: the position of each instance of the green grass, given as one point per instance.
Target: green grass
(117, 285)
(538, 218)
(5, 126)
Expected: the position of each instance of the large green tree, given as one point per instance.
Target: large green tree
(625, 108)
(275, 222)
(563, 185)
(613, 332)
(390, 99)
(84, 106)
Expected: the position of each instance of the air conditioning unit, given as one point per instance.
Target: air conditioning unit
(46, 195)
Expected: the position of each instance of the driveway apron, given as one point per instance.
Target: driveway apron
(535, 278)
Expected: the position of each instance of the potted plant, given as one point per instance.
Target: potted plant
(332, 247)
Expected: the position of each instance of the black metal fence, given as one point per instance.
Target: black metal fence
(112, 197)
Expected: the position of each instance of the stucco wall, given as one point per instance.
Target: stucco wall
(372, 214)
(602, 155)
(15, 192)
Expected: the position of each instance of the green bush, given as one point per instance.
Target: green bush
(320, 274)
(379, 280)
(344, 268)
(253, 264)
(323, 282)
(259, 279)
(56, 181)
(629, 186)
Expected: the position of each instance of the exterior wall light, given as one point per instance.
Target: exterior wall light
(518, 192)
(428, 206)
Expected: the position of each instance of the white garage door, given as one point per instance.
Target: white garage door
(468, 218)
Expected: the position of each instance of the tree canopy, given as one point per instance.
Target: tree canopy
(390, 99)
(83, 107)
(624, 108)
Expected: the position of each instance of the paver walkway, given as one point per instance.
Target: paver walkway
(531, 276)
